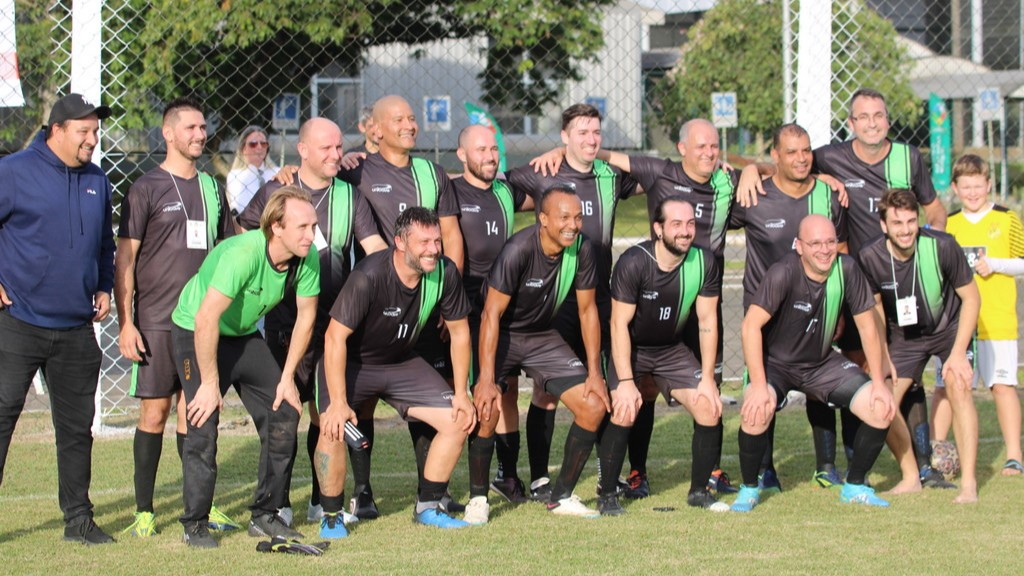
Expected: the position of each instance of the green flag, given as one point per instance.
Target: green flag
(478, 115)
(938, 124)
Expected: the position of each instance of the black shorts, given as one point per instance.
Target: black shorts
(430, 347)
(910, 357)
(567, 324)
(544, 356)
(156, 376)
(241, 361)
(673, 367)
(305, 372)
(691, 338)
(834, 381)
(405, 385)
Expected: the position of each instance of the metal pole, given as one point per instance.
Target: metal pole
(787, 63)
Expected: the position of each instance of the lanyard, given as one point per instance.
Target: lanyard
(913, 282)
(182, 200)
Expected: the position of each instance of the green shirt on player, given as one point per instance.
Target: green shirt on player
(240, 269)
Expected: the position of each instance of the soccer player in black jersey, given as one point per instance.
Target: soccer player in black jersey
(656, 286)
(528, 284)
(787, 344)
(370, 353)
(926, 292)
(487, 205)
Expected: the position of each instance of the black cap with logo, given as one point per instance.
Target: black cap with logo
(75, 107)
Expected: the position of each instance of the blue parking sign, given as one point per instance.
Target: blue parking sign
(437, 110)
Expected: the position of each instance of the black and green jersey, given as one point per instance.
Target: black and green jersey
(386, 316)
(712, 200)
(804, 312)
(390, 189)
(486, 220)
(538, 285)
(772, 226)
(932, 275)
(664, 300)
(865, 183)
(342, 216)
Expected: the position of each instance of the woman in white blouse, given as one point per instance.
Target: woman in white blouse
(251, 169)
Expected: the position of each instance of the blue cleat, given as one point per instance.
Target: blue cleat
(768, 480)
(860, 494)
(748, 497)
(332, 526)
(828, 477)
(438, 518)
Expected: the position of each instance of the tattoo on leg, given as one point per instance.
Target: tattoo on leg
(322, 463)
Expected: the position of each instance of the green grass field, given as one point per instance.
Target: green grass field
(804, 530)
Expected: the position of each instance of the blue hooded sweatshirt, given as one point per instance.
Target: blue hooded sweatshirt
(56, 237)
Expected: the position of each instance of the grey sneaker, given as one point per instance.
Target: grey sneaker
(272, 526)
(197, 535)
(84, 531)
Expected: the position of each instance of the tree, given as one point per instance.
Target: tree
(737, 47)
(237, 55)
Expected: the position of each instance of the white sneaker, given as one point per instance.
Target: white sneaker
(348, 519)
(286, 514)
(478, 511)
(572, 506)
(314, 512)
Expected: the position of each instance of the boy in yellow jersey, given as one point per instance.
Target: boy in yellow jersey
(993, 241)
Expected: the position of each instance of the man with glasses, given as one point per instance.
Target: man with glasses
(787, 345)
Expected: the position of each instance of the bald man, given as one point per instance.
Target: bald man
(787, 345)
(342, 215)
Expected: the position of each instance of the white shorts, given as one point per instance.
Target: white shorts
(995, 363)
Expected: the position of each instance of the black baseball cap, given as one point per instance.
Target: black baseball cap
(75, 107)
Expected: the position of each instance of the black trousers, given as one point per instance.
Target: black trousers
(246, 363)
(70, 361)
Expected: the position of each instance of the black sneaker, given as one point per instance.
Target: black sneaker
(637, 486)
(85, 531)
(540, 490)
(271, 525)
(449, 505)
(363, 507)
(510, 488)
(706, 500)
(608, 505)
(932, 478)
(719, 483)
(197, 535)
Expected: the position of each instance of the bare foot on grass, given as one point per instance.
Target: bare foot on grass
(906, 486)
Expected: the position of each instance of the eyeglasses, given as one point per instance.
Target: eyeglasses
(878, 117)
(257, 144)
(819, 244)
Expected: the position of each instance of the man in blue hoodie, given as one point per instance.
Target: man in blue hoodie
(56, 275)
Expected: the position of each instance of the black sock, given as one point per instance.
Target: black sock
(718, 452)
(147, 448)
(540, 428)
(752, 450)
(823, 430)
(481, 450)
(611, 452)
(507, 447)
(706, 446)
(179, 438)
(914, 408)
(579, 443)
(332, 504)
(850, 426)
(429, 494)
(360, 459)
(768, 460)
(866, 448)
(640, 437)
(422, 435)
(312, 437)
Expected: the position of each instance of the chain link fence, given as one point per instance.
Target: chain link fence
(648, 65)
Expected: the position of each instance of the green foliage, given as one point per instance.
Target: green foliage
(737, 47)
(237, 55)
